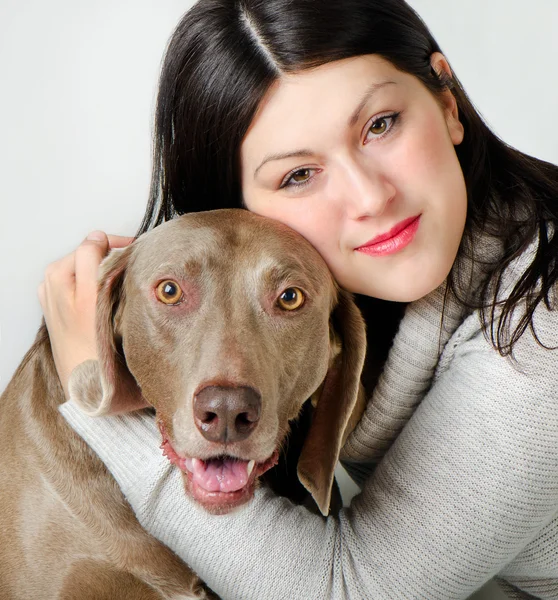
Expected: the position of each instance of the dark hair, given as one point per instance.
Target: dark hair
(222, 59)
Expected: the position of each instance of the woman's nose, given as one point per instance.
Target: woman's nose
(367, 191)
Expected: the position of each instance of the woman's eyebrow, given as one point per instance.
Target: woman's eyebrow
(372, 89)
(283, 155)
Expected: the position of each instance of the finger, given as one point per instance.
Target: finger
(61, 272)
(89, 256)
(56, 293)
(41, 295)
(119, 241)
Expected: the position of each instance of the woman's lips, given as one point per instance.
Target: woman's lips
(392, 241)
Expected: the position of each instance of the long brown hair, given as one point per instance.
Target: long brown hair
(222, 59)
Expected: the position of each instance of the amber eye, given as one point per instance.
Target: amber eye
(379, 127)
(301, 175)
(291, 299)
(169, 292)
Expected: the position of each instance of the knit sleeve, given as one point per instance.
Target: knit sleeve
(467, 484)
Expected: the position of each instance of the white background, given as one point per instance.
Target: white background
(77, 90)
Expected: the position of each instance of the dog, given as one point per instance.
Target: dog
(223, 324)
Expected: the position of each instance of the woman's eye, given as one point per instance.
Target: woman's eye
(301, 175)
(291, 299)
(381, 126)
(169, 292)
(297, 178)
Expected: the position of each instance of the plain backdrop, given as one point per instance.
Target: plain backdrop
(78, 82)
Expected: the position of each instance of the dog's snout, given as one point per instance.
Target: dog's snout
(227, 414)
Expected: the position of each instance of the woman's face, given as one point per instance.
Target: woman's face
(359, 158)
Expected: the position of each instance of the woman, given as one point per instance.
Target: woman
(344, 121)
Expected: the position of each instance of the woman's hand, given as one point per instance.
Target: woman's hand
(68, 296)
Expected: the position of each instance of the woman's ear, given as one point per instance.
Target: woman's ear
(106, 386)
(441, 68)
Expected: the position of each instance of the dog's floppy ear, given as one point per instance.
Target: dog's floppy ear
(340, 403)
(106, 386)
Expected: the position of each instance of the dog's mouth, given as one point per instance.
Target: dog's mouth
(220, 483)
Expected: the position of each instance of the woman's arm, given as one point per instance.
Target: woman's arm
(470, 481)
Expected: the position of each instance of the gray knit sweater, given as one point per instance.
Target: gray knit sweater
(465, 488)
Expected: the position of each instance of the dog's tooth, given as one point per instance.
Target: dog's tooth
(250, 467)
(197, 464)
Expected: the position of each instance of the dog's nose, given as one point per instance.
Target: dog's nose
(227, 414)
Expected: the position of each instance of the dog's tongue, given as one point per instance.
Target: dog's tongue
(218, 475)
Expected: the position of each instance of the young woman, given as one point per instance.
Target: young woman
(344, 121)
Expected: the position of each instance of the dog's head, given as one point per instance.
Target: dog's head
(227, 323)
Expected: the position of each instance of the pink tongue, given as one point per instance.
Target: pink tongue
(220, 475)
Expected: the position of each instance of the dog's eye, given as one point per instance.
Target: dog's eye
(291, 299)
(169, 292)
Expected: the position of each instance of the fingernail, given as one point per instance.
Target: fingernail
(96, 236)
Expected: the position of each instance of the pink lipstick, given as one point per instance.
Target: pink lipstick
(392, 241)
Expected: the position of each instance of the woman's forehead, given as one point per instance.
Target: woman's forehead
(298, 104)
(355, 74)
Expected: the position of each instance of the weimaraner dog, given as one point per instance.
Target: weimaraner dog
(223, 324)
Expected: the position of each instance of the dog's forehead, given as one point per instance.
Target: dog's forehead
(230, 237)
